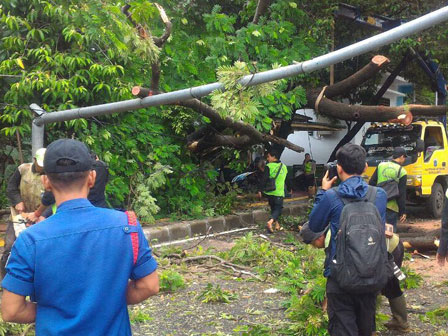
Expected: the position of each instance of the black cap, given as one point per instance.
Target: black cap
(69, 149)
(398, 151)
(309, 236)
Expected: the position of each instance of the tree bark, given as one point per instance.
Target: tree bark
(375, 100)
(376, 64)
(419, 243)
(262, 6)
(401, 114)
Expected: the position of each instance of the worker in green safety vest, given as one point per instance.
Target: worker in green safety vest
(309, 169)
(393, 170)
(278, 171)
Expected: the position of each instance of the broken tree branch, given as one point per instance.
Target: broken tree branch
(160, 41)
(377, 63)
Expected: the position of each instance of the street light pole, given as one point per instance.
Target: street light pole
(317, 63)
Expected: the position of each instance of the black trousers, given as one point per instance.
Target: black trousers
(351, 314)
(392, 289)
(276, 204)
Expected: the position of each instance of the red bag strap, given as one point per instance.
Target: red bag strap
(132, 220)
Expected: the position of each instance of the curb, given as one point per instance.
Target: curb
(189, 229)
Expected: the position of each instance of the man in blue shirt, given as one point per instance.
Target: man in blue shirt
(349, 314)
(83, 265)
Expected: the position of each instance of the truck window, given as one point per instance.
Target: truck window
(379, 143)
(433, 141)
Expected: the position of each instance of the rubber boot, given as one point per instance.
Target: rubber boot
(399, 320)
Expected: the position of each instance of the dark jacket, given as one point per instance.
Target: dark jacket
(328, 208)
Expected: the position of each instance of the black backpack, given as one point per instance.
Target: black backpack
(361, 262)
(270, 183)
(391, 187)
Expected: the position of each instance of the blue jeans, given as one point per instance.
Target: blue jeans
(392, 218)
(276, 204)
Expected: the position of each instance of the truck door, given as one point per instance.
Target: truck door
(434, 168)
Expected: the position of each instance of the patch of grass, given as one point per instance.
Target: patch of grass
(215, 294)
(12, 329)
(436, 316)
(292, 222)
(413, 279)
(444, 283)
(254, 330)
(441, 333)
(171, 281)
(138, 315)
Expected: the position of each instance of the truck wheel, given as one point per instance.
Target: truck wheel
(436, 200)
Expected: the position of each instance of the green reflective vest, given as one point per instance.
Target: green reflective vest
(280, 181)
(389, 171)
(308, 167)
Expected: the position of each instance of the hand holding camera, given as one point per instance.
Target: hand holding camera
(328, 182)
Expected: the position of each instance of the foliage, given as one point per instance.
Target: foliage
(138, 315)
(214, 294)
(226, 198)
(171, 281)
(13, 329)
(413, 279)
(237, 101)
(62, 54)
(436, 316)
(292, 222)
(253, 330)
(144, 203)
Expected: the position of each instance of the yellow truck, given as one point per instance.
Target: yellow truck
(425, 142)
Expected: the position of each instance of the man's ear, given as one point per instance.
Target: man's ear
(365, 168)
(46, 182)
(91, 178)
(339, 170)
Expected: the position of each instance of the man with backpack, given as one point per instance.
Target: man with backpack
(391, 176)
(356, 265)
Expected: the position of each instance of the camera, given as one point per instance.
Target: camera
(332, 169)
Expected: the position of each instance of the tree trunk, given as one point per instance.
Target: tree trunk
(262, 6)
(376, 99)
(419, 243)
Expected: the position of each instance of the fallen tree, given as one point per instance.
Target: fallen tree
(226, 132)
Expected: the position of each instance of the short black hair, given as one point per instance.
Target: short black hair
(274, 152)
(67, 180)
(352, 159)
(307, 154)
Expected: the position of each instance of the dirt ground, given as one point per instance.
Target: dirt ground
(182, 313)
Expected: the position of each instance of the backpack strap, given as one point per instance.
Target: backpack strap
(278, 171)
(371, 194)
(399, 172)
(132, 220)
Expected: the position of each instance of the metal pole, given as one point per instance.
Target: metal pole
(37, 137)
(317, 63)
(37, 130)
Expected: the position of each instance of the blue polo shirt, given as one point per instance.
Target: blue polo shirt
(76, 266)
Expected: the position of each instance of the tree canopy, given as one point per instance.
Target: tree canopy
(62, 54)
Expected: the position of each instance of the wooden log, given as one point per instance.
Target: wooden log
(141, 92)
(401, 228)
(419, 243)
(432, 233)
